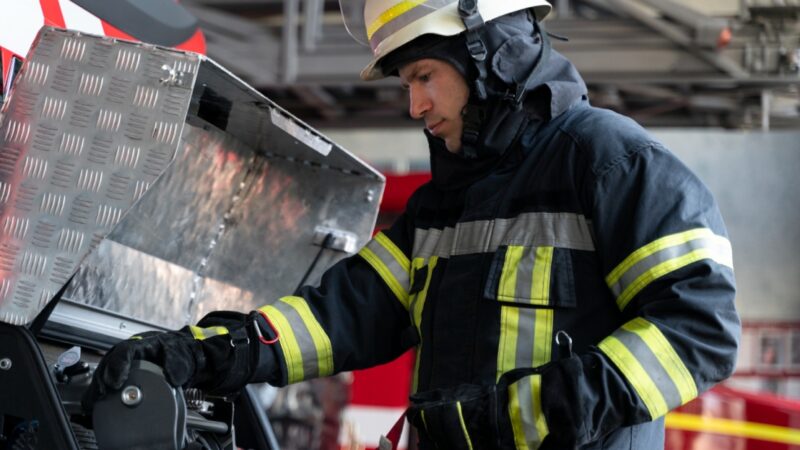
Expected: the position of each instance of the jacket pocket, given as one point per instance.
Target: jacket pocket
(530, 284)
(531, 276)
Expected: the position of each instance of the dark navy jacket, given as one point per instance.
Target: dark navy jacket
(586, 226)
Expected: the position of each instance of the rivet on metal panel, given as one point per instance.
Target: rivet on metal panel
(370, 196)
(5, 364)
(173, 76)
(131, 396)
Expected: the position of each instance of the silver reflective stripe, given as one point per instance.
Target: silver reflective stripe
(527, 414)
(648, 360)
(714, 244)
(564, 230)
(398, 271)
(303, 338)
(525, 332)
(433, 242)
(400, 15)
(526, 336)
(524, 285)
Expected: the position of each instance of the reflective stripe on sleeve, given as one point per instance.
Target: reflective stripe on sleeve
(306, 347)
(390, 263)
(205, 333)
(525, 410)
(663, 256)
(650, 364)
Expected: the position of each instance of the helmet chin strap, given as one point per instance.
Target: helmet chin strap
(476, 111)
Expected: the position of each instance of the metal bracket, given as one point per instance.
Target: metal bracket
(343, 241)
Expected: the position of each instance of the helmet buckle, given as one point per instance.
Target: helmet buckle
(477, 49)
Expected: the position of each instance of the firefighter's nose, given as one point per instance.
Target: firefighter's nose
(418, 103)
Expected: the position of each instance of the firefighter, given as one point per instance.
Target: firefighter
(566, 281)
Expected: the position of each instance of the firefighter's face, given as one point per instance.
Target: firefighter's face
(437, 94)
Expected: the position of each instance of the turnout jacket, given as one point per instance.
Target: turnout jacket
(586, 226)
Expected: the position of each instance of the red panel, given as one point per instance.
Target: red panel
(725, 403)
(399, 188)
(52, 13)
(196, 43)
(387, 385)
(6, 60)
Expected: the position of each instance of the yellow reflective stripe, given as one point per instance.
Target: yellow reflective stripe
(729, 427)
(322, 342)
(526, 338)
(417, 306)
(398, 254)
(540, 288)
(528, 423)
(666, 355)
(507, 349)
(543, 337)
(398, 280)
(636, 375)
(508, 278)
(515, 413)
(663, 256)
(386, 275)
(463, 425)
(424, 422)
(541, 422)
(415, 377)
(423, 294)
(197, 332)
(291, 349)
(205, 333)
(392, 13)
(659, 271)
(649, 249)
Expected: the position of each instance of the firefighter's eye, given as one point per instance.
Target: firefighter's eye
(425, 77)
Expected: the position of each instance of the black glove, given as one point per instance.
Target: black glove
(220, 355)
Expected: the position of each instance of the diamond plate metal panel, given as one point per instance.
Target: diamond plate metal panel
(226, 227)
(163, 187)
(89, 126)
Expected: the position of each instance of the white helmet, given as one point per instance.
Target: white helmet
(389, 24)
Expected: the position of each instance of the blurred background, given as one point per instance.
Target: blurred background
(718, 81)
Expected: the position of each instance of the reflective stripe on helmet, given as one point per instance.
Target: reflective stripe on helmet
(391, 24)
(400, 15)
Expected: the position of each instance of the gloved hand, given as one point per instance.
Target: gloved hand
(220, 355)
